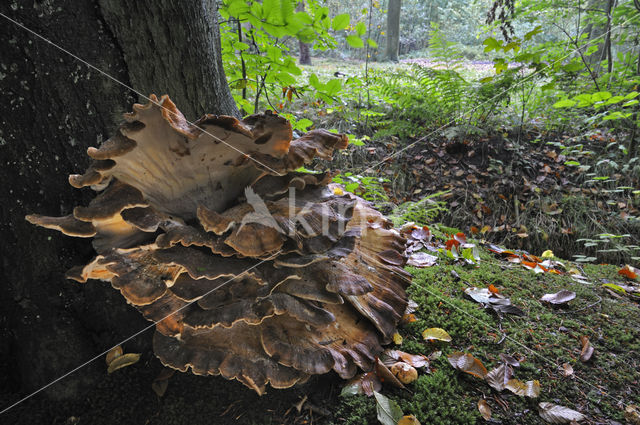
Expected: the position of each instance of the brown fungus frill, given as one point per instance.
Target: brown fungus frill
(251, 270)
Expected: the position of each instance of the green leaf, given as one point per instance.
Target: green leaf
(340, 22)
(536, 30)
(372, 43)
(573, 67)
(303, 124)
(564, 103)
(632, 95)
(630, 103)
(574, 163)
(315, 82)
(333, 86)
(354, 41)
(240, 45)
(600, 96)
(351, 187)
(361, 28)
(614, 99)
(491, 44)
(513, 45)
(614, 288)
(389, 413)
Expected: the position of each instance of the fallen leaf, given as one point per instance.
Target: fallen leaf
(555, 414)
(485, 410)
(560, 297)
(389, 413)
(497, 378)
(404, 372)
(468, 364)
(587, 349)
(422, 259)
(436, 334)
(385, 375)
(365, 383)
(408, 318)
(566, 369)
(479, 295)
(408, 420)
(421, 233)
(411, 307)
(397, 338)
(123, 361)
(629, 272)
(493, 289)
(632, 415)
(547, 254)
(510, 360)
(113, 353)
(416, 360)
(528, 389)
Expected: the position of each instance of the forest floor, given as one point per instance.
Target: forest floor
(546, 340)
(521, 190)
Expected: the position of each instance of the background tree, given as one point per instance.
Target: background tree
(305, 54)
(393, 30)
(59, 106)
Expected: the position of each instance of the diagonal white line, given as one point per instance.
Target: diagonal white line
(6, 409)
(423, 138)
(62, 49)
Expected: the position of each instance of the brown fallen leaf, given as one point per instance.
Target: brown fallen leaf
(113, 353)
(632, 414)
(497, 378)
(123, 361)
(566, 369)
(432, 334)
(558, 298)
(510, 360)
(468, 364)
(484, 409)
(555, 414)
(389, 357)
(385, 375)
(365, 383)
(587, 350)
(527, 389)
(408, 420)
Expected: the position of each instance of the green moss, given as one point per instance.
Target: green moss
(356, 410)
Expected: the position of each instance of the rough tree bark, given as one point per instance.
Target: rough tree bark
(54, 107)
(393, 30)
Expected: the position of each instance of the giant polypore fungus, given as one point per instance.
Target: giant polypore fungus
(250, 269)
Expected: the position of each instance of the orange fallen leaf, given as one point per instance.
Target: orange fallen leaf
(484, 409)
(529, 389)
(587, 349)
(628, 272)
(493, 289)
(468, 364)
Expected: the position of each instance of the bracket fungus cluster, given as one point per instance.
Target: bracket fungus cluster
(249, 269)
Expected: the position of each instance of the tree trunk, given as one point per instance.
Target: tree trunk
(393, 30)
(305, 56)
(54, 108)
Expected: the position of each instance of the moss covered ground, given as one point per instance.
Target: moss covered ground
(546, 337)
